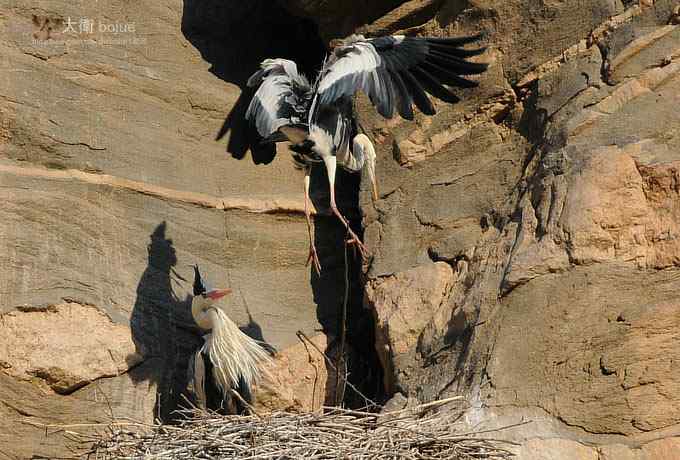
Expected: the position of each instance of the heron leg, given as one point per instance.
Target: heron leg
(331, 164)
(313, 256)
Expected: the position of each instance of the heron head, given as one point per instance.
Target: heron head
(335, 43)
(204, 301)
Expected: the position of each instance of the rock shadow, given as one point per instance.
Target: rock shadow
(339, 267)
(162, 327)
(254, 330)
(235, 36)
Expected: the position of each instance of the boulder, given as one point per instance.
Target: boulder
(64, 347)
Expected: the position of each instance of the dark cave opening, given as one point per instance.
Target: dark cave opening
(234, 37)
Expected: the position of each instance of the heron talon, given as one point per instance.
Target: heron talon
(314, 259)
(356, 243)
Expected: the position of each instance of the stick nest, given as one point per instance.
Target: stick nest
(416, 433)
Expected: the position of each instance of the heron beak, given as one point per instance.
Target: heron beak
(216, 294)
(374, 184)
(371, 176)
(370, 167)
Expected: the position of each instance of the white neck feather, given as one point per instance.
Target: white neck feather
(200, 313)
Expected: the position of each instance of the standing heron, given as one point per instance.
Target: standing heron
(318, 119)
(228, 361)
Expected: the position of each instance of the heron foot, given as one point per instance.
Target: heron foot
(355, 242)
(314, 259)
(353, 238)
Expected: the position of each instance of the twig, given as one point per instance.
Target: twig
(106, 398)
(245, 403)
(301, 335)
(318, 435)
(340, 394)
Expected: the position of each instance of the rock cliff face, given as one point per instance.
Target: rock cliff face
(526, 243)
(112, 186)
(524, 250)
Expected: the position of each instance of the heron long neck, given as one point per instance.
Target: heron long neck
(202, 318)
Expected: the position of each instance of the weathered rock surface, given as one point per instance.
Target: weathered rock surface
(339, 19)
(551, 195)
(67, 345)
(112, 187)
(405, 304)
(524, 250)
(299, 379)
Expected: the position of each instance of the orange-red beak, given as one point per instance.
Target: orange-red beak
(217, 293)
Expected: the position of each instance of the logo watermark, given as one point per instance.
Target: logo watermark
(84, 31)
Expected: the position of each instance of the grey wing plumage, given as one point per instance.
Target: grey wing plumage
(282, 98)
(396, 72)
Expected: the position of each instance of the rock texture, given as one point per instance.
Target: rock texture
(112, 187)
(67, 345)
(299, 379)
(550, 195)
(405, 304)
(339, 19)
(524, 250)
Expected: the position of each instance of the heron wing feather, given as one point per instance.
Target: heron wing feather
(282, 98)
(396, 71)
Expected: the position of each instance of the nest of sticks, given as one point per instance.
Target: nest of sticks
(413, 433)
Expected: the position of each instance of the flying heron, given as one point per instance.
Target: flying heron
(318, 119)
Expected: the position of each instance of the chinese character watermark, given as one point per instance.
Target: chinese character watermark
(90, 26)
(107, 33)
(86, 25)
(69, 27)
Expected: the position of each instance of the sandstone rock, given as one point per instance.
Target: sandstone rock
(32, 423)
(627, 212)
(408, 14)
(619, 452)
(65, 346)
(432, 134)
(563, 261)
(554, 449)
(113, 185)
(339, 19)
(395, 403)
(524, 251)
(662, 449)
(403, 305)
(299, 379)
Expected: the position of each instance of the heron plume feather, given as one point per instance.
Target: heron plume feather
(233, 353)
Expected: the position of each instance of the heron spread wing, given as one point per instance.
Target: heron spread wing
(397, 71)
(282, 98)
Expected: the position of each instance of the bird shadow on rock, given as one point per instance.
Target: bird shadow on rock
(235, 36)
(162, 327)
(254, 330)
